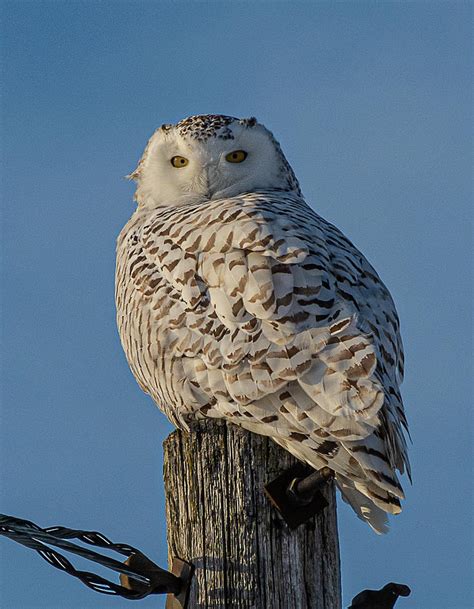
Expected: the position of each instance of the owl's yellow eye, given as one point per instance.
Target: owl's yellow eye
(237, 156)
(179, 161)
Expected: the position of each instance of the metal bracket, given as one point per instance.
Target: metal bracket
(185, 572)
(296, 493)
(176, 583)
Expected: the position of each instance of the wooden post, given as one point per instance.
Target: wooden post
(219, 519)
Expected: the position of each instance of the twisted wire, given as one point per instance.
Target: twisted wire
(27, 533)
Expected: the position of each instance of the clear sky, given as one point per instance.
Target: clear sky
(371, 103)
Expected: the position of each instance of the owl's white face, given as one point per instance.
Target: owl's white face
(192, 167)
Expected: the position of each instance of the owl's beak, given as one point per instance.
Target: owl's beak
(212, 180)
(207, 171)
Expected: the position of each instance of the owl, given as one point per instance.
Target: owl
(235, 300)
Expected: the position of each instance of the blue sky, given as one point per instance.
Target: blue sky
(371, 103)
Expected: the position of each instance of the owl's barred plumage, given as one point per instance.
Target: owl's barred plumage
(236, 300)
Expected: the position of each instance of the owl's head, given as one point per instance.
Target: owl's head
(209, 157)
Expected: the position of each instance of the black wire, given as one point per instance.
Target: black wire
(27, 533)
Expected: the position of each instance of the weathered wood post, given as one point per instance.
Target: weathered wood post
(219, 519)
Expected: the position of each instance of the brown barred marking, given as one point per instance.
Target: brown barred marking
(328, 448)
(299, 437)
(369, 451)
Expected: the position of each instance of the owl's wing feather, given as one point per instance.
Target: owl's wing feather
(283, 327)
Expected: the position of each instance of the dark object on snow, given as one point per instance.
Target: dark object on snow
(385, 598)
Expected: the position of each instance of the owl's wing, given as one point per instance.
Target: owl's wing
(282, 326)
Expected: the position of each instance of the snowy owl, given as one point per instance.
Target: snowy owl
(235, 300)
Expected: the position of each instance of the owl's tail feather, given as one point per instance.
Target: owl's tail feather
(365, 509)
(370, 500)
(371, 494)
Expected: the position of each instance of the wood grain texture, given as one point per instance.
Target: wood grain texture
(220, 520)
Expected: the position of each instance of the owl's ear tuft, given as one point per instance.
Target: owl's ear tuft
(134, 175)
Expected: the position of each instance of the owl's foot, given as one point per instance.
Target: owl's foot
(296, 493)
